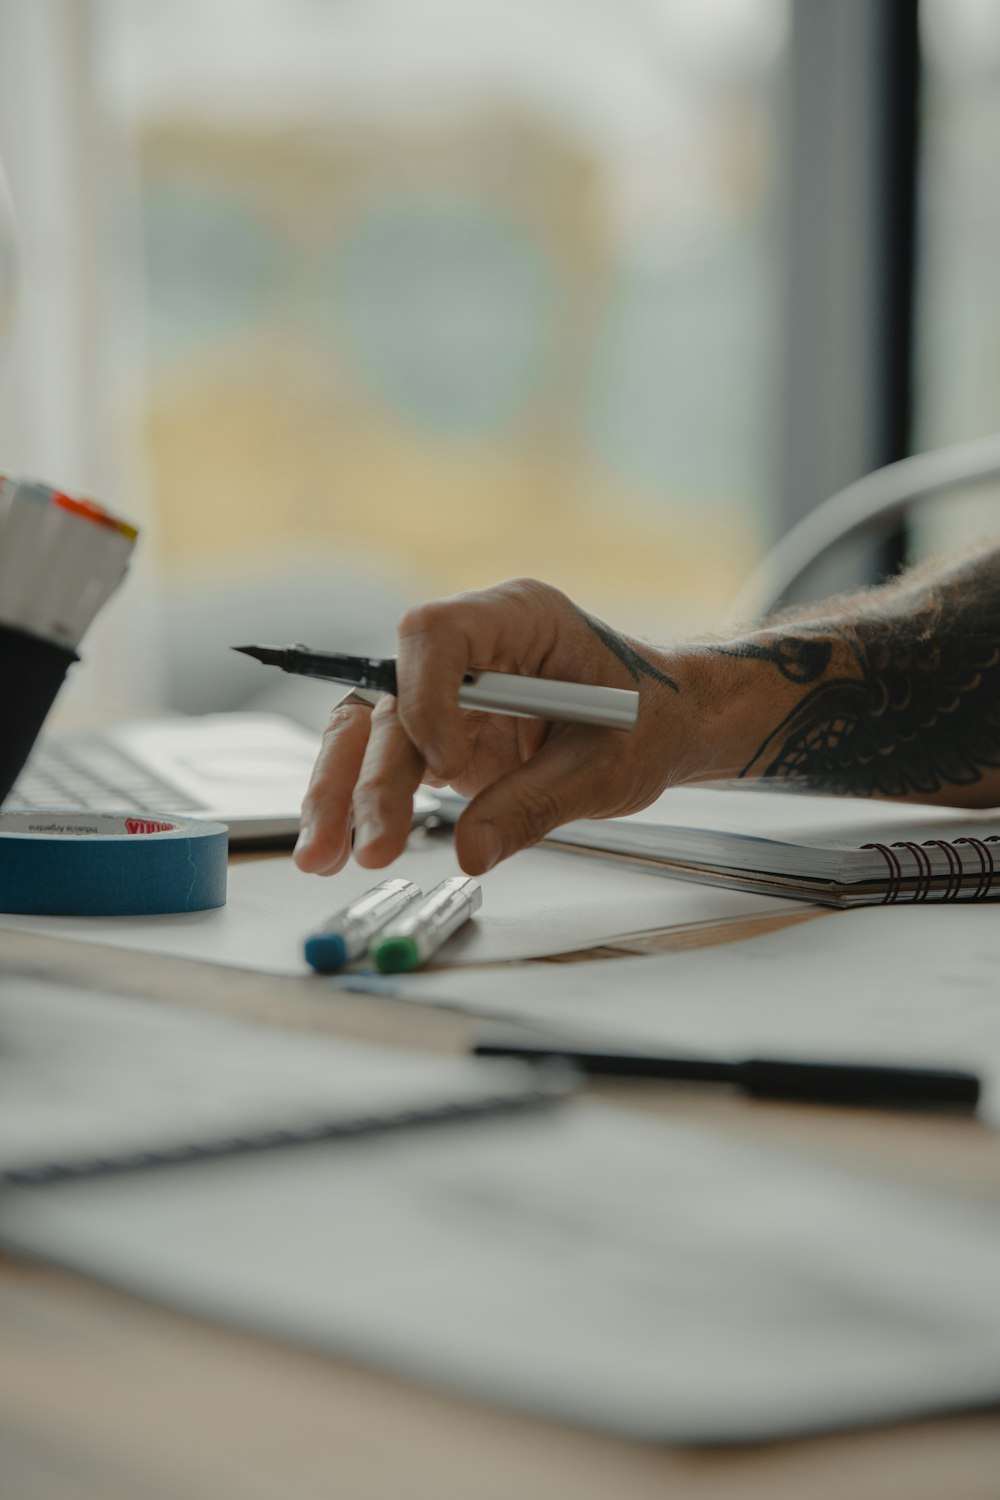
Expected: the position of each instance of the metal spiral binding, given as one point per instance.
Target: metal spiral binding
(925, 870)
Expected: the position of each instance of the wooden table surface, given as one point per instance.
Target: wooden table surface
(106, 1398)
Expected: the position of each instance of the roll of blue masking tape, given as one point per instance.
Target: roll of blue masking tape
(70, 864)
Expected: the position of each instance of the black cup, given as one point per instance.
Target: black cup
(31, 674)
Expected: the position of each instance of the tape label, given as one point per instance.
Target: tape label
(83, 825)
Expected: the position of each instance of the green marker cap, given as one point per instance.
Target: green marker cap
(396, 954)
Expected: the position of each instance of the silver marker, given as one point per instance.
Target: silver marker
(349, 932)
(410, 940)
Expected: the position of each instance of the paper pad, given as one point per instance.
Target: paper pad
(587, 1265)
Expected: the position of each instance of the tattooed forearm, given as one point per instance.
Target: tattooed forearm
(907, 701)
(635, 664)
(798, 658)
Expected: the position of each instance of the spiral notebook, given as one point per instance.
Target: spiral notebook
(833, 850)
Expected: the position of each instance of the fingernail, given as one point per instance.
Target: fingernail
(434, 759)
(490, 845)
(367, 832)
(304, 839)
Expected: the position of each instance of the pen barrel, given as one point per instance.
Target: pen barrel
(861, 1084)
(367, 674)
(546, 698)
(612, 1064)
(31, 673)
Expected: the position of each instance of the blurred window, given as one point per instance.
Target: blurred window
(957, 376)
(439, 291)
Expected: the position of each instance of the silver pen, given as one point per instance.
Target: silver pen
(494, 692)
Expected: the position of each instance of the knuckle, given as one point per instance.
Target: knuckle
(441, 617)
(318, 804)
(536, 812)
(318, 782)
(344, 716)
(534, 591)
(384, 709)
(604, 765)
(374, 785)
(424, 619)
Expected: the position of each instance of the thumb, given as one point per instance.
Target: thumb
(567, 778)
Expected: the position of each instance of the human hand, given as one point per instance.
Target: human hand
(524, 776)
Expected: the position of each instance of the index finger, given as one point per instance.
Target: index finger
(324, 844)
(438, 644)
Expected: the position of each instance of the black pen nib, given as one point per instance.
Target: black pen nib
(271, 656)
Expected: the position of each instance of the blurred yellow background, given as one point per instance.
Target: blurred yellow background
(352, 305)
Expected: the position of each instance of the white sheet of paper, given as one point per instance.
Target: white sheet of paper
(537, 903)
(893, 984)
(587, 1264)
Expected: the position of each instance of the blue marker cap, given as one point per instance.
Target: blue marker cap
(346, 936)
(326, 952)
